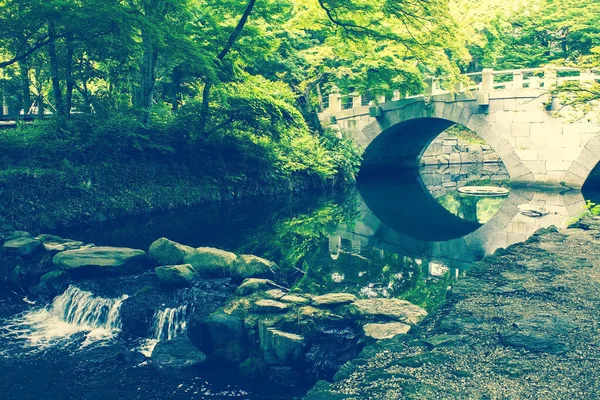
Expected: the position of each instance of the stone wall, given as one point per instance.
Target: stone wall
(447, 149)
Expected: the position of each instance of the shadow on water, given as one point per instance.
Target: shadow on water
(402, 235)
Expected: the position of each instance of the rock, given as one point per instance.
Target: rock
(385, 331)
(278, 347)
(176, 275)
(208, 261)
(22, 246)
(222, 336)
(167, 252)
(394, 309)
(285, 376)
(249, 266)
(294, 299)
(54, 282)
(97, 261)
(253, 368)
(252, 285)
(57, 247)
(535, 342)
(275, 294)
(177, 353)
(333, 299)
(14, 235)
(270, 306)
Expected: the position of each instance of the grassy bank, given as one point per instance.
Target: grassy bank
(55, 175)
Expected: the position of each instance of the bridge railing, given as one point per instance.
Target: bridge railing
(487, 81)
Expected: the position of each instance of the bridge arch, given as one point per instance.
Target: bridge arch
(400, 136)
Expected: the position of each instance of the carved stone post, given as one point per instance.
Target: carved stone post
(517, 80)
(335, 102)
(487, 79)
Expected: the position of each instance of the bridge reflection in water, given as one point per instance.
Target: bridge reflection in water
(410, 216)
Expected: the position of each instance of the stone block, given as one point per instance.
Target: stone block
(571, 153)
(505, 116)
(588, 158)
(537, 167)
(522, 143)
(547, 153)
(574, 129)
(465, 115)
(593, 145)
(572, 180)
(578, 170)
(546, 128)
(557, 165)
(520, 129)
(527, 155)
(510, 105)
(584, 138)
(537, 142)
(529, 116)
(479, 125)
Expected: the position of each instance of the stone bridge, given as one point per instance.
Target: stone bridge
(511, 110)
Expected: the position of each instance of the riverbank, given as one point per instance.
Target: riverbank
(523, 324)
(96, 169)
(44, 199)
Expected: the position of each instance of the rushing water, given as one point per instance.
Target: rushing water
(394, 236)
(73, 312)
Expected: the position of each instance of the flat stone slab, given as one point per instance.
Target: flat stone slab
(252, 285)
(486, 191)
(270, 306)
(23, 246)
(294, 299)
(333, 299)
(275, 294)
(385, 331)
(101, 261)
(395, 309)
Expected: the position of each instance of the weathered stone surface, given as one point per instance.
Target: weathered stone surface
(53, 282)
(22, 246)
(285, 376)
(333, 299)
(270, 306)
(535, 342)
(294, 299)
(222, 336)
(278, 347)
(167, 252)
(211, 261)
(252, 285)
(250, 266)
(101, 261)
(386, 330)
(275, 294)
(177, 353)
(253, 368)
(176, 275)
(394, 309)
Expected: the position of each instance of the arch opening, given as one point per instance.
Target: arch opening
(421, 164)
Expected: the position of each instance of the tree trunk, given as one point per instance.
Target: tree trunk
(147, 78)
(205, 109)
(25, 86)
(69, 74)
(54, 71)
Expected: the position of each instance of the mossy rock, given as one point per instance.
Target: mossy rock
(176, 275)
(167, 252)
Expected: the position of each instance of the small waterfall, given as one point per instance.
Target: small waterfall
(74, 311)
(166, 324)
(169, 323)
(78, 307)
